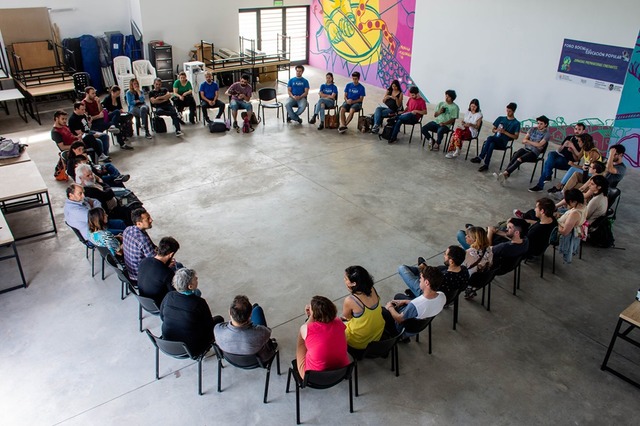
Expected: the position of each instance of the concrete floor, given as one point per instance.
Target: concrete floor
(277, 215)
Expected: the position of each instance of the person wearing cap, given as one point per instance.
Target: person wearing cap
(534, 143)
(505, 129)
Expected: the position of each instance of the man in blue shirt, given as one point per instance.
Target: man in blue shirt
(209, 97)
(354, 94)
(505, 129)
(298, 88)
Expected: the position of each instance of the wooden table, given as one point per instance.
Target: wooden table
(22, 188)
(32, 93)
(22, 158)
(13, 95)
(631, 316)
(7, 240)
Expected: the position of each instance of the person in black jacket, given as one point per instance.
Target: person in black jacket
(186, 316)
(155, 274)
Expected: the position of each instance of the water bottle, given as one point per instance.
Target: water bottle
(500, 127)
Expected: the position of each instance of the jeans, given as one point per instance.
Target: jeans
(554, 161)
(300, 103)
(104, 139)
(235, 105)
(142, 112)
(439, 129)
(322, 105)
(411, 277)
(257, 315)
(111, 173)
(406, 118)
(379, 114)
(461, 237)
(169, 110)
(569, 173)
(524, 155)
(492, 142)
(205, 106)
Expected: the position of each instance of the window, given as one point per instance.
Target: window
(264, 25)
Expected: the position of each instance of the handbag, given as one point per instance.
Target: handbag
(331, 121)
(391, 104)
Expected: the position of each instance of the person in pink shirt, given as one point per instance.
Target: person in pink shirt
(322, 342)
(416, 108)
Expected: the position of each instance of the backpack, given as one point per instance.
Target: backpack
(60, 171)
(364, 124)
(125, 125)
(218, 126)
(600, 233)
(9, 149)
(159, 124)
(386, 132)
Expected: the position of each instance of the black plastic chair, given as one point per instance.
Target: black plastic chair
(482, 280)
(176, 350)
(415, 326)
(145, 303)
(88, 246)
(320, 380)
(455, 302)
(477, 143)
(104, 254)
(413, 126)
(507, 265)
(247, 362)
(446, 139)
(126, 284)
(80, 81)
(381, 349)
(268, 98)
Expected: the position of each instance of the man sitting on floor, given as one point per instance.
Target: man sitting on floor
(247, 332)
(505, 128)
(136, 243)
(76, 211)
(160, 98)
(454, 273)
(428, 304)
(354, 94)
(535, 142)
(446, 114)
(209, 97)
(80, 124)
(155, 274)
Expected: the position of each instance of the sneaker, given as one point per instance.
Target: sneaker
(104, 158)
(393, 140)
(122, 178)
(483, 168)
(375, 129)
(548, 179)
(518, 213)
(501, 177)
(470, 293)
(320, 126)
(450, 155)
(179, 133)
(536, 188)
(421, 261)
(553, 190)
(235, 125)
(342, 129)
(113, 129)
(313, 119)
(147, 134)
(409, 293)
(207, 120)
(299, 120)
(430, 145)
(126, 147)
(288, 119)
(476, 160)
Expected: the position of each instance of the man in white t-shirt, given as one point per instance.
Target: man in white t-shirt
(428, 304)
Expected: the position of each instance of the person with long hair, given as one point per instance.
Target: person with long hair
(467, 130)
(479, 255)
(328, 95)
(391, 104)
(100, 236)
(361, 309)
(570, 224)
(322, 343)
(137, 105)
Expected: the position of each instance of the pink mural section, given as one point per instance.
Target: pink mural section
(373, 37)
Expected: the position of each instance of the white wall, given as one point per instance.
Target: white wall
(508, 50)
(85, 16)
(216, 22)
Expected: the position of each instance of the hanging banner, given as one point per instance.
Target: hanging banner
(593, 65)
(626, 127)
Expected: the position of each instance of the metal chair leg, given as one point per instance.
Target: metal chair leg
(430, 337)
(200, 376)
(140, 316)
(355, 372)
(157, 363)
(219, 375)
(351, 394)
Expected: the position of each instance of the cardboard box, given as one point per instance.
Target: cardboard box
(199, 52)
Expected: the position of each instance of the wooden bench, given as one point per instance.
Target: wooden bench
(7, 240)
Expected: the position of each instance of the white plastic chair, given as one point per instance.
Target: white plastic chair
(144, 72)
(122, 70)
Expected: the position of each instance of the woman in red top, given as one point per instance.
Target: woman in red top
(322, 344)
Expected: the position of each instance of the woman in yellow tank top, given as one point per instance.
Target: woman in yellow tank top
(361, 309)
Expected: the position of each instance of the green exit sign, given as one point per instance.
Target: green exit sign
(278, 2)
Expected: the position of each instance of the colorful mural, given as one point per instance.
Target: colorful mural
(373, 37)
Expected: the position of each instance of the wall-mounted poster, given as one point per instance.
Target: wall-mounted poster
(594, 65)
(373, 37)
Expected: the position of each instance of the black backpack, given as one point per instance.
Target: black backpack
(217, 127)
(159, 124)
(126, 125)
(600, 233)
(386, 132)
